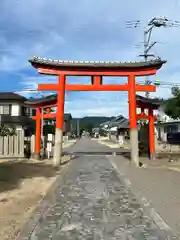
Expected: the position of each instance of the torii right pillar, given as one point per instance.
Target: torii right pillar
(133, 120)
(151, 135)
(59, 121)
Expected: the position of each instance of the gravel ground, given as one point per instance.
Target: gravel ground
(23, 184)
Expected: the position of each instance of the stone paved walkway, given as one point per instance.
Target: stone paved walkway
(93, 203)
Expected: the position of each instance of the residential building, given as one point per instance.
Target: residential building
(14, 112)
(117, 128)
(166, 125)
(119, 122)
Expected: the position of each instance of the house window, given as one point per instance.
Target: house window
(25, 111)
(1, 109)
(33, 112)
(5, 109)
(171, 128)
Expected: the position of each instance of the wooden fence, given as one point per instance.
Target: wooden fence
(18, 146)
(12, 146)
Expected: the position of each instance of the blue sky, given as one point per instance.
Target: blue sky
(83, 30)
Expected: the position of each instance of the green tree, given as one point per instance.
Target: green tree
(5, 131)
(88, 127)
(172, 105)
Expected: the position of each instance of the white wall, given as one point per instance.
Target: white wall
(15, 110)
(160, 130)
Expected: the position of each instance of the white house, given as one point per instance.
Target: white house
(166, 125)
(14, 112)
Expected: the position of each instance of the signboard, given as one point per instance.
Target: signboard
(50, 137)
(49, 147)
(121, 140)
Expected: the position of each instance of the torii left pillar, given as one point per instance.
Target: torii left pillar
(59, 121)
(133, 120)
(38, 134)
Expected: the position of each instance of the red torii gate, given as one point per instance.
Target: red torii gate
(40, 105)
(96, 70)
(150, 105)
(141, 103)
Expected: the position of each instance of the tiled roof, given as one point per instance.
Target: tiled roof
(150, 101)
(119, 121)
(116, 64)
(9, 96)
(52, 99)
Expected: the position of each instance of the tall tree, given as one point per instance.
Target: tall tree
(172, 105)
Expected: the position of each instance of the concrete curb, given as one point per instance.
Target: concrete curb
(71, 145)
(143, 201)
(113, 145)
(42, 207)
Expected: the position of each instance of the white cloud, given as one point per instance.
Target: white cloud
(32, 82)
(105, 111)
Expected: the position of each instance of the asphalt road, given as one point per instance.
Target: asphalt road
(91, 201)
(85, 146)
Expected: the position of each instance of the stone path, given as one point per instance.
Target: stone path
(93, 203)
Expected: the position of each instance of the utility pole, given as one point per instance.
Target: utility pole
(154, 23)
(77, 127)
(147, 47)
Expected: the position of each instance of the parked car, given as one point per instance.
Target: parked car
(173, 138)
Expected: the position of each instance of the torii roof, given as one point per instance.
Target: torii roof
(155, 103)
(39, 102)
(108, 65)
(52, 99)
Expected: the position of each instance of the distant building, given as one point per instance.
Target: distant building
(117, 123)
(117, 128)
(67, 128)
